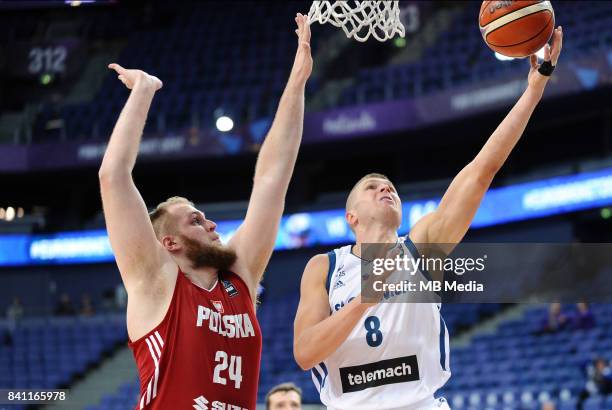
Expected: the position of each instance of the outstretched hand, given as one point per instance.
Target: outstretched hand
(302, 66)
(132, 78)
(551, 53)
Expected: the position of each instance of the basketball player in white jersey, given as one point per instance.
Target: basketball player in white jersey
(391, 356)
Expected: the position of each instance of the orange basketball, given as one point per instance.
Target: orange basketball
(516, 28)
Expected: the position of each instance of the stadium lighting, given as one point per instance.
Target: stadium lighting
(45, 79)
(20, 212)
(77, 3)
(2, 213)
(502, 57)
(399, 42)
(10, 213)
(225, 123)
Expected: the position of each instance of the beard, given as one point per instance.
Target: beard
(203, 255)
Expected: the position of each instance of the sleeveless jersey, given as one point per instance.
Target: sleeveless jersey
(206, 352)
(396, 357)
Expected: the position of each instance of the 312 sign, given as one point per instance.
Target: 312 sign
(48, 59)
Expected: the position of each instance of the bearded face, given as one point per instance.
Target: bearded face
(203, 255)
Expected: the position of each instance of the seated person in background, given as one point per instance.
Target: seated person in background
(108, 300)
(548, 406)
(64, 306)
(14, 312)
(86, 306)
(285, 396)
(584, 318)
(556, 321)
(599, 380)
(600, 377)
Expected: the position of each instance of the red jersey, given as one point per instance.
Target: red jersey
(206, 352)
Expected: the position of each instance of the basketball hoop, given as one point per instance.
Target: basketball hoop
(381, 19)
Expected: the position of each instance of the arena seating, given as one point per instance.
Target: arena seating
(459, 56)
(513, 368)
(50, 352)
(205, 63)
(516, 369)
(241, 68)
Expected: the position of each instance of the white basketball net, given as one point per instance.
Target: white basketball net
(381, 19)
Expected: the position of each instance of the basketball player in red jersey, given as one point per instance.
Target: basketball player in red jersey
(191, 299)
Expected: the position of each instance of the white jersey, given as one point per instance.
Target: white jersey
(397, 355)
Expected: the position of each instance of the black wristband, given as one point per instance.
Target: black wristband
(546, 68)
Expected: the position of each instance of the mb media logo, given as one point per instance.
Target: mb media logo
(399, 370)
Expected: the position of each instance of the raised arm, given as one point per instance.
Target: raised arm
(137, 251)
(451, 220)
(316, 334)
(254, 240)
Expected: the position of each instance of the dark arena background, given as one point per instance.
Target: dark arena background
(416, 109)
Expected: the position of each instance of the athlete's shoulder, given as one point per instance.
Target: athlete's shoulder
(315, 272)
(319, 262)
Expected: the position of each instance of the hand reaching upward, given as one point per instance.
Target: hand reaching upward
(302, 66)
(132, 78)
(551, 53)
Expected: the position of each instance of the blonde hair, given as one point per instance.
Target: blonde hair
(159, 216)
(349, 199)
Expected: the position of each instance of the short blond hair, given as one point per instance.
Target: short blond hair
(349, 199)
(159, 216)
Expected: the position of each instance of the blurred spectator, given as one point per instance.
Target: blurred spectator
(556, 321)
(285, 396)
(599, 380)
(261, 293)
(584, 318)
(14, 312)
(548, 406)
(64, 306)
(120, 297)
(600, 377)
(108, 300)
(86, 306)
